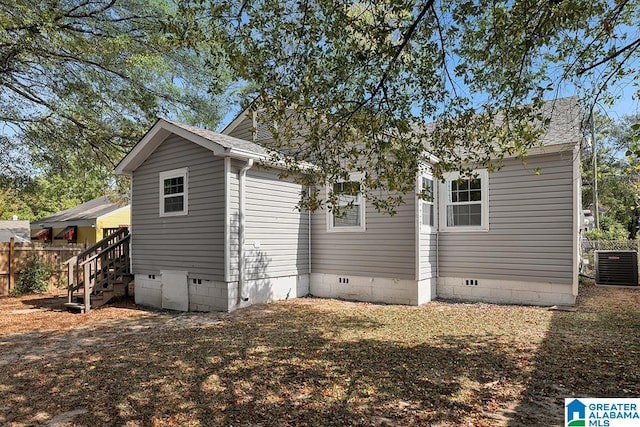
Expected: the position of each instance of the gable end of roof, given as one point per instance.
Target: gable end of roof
(219, 144)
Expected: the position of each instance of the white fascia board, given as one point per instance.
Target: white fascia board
(432, 159)
(241, 154)
(64, 224)
(149, 142)
(152, 140)
(553, 148)
(265, 159)
(234, 124)
(533, 151)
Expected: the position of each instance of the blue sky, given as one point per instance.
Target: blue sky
(627, 104)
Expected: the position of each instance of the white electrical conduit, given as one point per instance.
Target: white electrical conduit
(241, 208)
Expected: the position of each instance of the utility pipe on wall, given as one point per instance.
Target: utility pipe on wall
(241, 208)
(594, 164)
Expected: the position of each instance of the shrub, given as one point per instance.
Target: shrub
(33, 277)
(608, 231)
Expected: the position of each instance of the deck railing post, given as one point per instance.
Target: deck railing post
(12, 260)
(87, 284)
(70, 277)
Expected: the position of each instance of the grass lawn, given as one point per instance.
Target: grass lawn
(315, 362)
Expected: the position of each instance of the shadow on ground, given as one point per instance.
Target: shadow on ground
(290, 365)
(323, 362)
(51, 302)
(593, 352)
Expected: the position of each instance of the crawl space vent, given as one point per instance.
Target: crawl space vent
(617, 268)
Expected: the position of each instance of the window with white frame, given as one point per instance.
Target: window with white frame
(350, 215)
(427, 190)
(174, 192)
(464, 202)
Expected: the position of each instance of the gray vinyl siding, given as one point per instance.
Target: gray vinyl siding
(530, 235)
(276, 233)
(261, 134)
(386, 249)
(193, 242)
(244, 130)
(428, 255)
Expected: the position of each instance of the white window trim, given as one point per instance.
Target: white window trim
(175, 173)
(444, 201)
(356, 176)
(423, 227)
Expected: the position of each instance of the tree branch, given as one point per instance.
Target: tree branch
(444, 52)
(385, 75)
(633, 45)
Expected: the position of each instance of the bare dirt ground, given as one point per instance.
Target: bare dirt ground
(311, 362)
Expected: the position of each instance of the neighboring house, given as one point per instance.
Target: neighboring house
(85, 224)
(19, 230)
(213, 230)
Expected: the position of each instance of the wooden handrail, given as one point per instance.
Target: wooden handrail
(108, 248)
(99, 244)
(71, 260)
(98, 274)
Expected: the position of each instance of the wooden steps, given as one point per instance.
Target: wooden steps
(101, 273)
(74, 306)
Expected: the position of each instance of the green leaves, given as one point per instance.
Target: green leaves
(351, 85)
(618, 177)
(94, 76)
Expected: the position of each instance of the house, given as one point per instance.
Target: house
(576, 410)
(18, 230)
(215, 229)
(85, 224)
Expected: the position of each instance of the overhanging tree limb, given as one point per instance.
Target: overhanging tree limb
(631, 46)
(385, 75)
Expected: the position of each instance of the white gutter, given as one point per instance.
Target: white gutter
(309, 238)
(227, 216)
(241, 208)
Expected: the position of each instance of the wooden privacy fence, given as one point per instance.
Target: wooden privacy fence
(13, 256)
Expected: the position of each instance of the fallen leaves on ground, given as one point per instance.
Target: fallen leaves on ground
(310, 362)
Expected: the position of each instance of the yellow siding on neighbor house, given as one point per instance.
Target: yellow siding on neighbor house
(86, 235)
(117, 218)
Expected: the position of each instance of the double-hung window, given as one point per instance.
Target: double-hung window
(174, 192)
(464, 202)
(427, 214)
(350, 215)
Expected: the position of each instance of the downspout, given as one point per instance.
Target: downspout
(227, 219)
(130, 226)
(241, 208)
(309, 238)
(437, 212)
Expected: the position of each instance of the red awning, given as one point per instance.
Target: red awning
(68, 233)
(44, 234)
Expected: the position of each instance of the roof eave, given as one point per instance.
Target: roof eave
(152, 140)
(235, 122)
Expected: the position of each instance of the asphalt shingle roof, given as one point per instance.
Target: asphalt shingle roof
(19, 230)
(88, 210)
(225, 141)
(566, 121)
